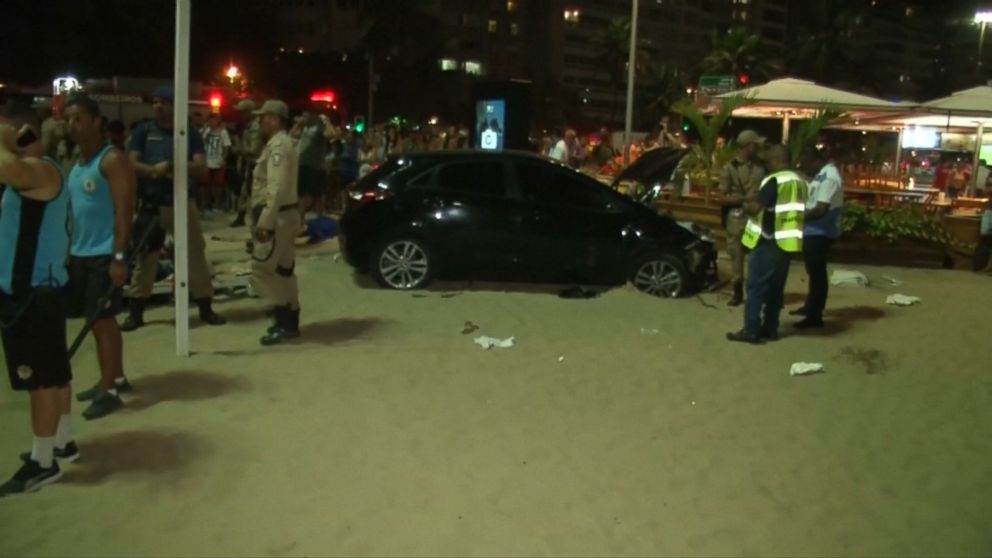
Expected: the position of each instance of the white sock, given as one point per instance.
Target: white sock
(64, 433)
(43, 451)
(119, 381)
(112, 391)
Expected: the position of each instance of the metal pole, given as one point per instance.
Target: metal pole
(978, 156)
(981, 45)
(369, 121)
(180, 204)
(902, 131)
(786, 121)
(631, 66)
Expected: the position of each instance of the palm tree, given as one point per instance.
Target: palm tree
(740, 52)
(808, 131)
(705, 160)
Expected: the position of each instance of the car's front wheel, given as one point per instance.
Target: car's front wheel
(661, 275)
(402, 264)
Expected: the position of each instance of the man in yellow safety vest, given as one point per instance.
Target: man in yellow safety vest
(773, 233)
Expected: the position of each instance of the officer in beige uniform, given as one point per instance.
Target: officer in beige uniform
(249, 147)
(275, 221)
(739, 183)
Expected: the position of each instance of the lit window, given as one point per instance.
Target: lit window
(511, 5)
(572, 16)
(493, 26)
(449, 65)
(514, 29)
(909, 12)
(473, 68)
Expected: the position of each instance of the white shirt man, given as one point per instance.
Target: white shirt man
(826, 187)
(560, 151)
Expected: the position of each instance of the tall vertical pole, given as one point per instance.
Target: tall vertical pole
(981, 45)
(902, 134)
(180, 174)
(978, 157)
(368, 119)
(631, 67)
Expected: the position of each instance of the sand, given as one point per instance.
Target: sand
(387, 431)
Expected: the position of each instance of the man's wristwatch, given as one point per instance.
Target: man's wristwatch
(120, 257)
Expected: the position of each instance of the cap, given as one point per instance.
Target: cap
(272, 106)
(245, 105)
(748, 137)
(165, 93)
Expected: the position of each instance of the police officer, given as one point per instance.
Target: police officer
(248, 149)
(275, 221)
(773, 234)
(741, 179)
(151, 151)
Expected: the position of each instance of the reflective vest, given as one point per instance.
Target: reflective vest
(790, 211)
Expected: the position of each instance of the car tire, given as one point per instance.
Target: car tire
(660, 274)
(402, 264)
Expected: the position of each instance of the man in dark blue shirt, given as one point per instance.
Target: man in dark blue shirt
(152, 153)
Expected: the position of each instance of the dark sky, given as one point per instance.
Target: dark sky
(97, 38)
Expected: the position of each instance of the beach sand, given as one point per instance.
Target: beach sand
(622, 425)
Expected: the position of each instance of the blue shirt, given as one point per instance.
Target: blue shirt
(34, 240)
(155, 144)
(92, 208)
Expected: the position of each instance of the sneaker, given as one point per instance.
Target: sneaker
(212, 318)
(69, 453)
(90, 394)
(744, 336)
(103, 405)
(132, 323)
(30, 477)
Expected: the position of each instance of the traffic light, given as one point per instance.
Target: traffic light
(743, 80)
(323, 96)
(685, 126)
(216, 100)
(360, 124)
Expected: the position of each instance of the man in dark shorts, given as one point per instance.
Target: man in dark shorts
(33, 246)
(102, 188)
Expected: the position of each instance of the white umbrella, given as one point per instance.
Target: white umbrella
(975, 102)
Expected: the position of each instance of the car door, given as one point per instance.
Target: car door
(574, 233)
(468, 216)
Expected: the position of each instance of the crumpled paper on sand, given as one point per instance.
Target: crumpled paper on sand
(490, 342)
(803, 368)
(848, 278)
(902, 300)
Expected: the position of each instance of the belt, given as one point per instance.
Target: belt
(288, 207)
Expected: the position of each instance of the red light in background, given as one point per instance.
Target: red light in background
(326, 96)
(744, 79)
(216, 101)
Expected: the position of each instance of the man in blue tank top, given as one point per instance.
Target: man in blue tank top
(151, 151)
(33, 247)
(102, 189)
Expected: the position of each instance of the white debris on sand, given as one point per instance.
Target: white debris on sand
(490, 342)
(902, 300)
(848, 278)
(804, 368)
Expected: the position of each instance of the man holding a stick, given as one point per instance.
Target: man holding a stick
(102, 187)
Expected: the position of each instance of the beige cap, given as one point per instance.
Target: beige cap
(245, 105)
(273, 106)
(748, 137)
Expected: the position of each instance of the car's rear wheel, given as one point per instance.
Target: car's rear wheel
(660, 274)
(402, 264)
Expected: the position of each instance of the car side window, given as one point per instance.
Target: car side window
(473, 177)
(546, 184)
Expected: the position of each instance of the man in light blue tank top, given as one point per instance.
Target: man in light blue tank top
(33, 246)
(102, 188)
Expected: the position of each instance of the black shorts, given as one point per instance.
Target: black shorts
(313, 182)
(89, 283)
(35, 345)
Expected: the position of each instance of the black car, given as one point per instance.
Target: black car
(513, 216)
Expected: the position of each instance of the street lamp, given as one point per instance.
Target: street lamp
(982, 17)
(232, 72)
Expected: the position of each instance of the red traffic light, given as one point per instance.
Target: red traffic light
(744, 79)
(324, 96)
(216, 101)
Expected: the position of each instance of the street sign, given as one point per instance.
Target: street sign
(717, 84)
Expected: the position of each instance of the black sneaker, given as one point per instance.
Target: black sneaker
(132, 323)
(103, 405)
(745, 336)
(69, 453)
(90, 394)
(30, 477)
